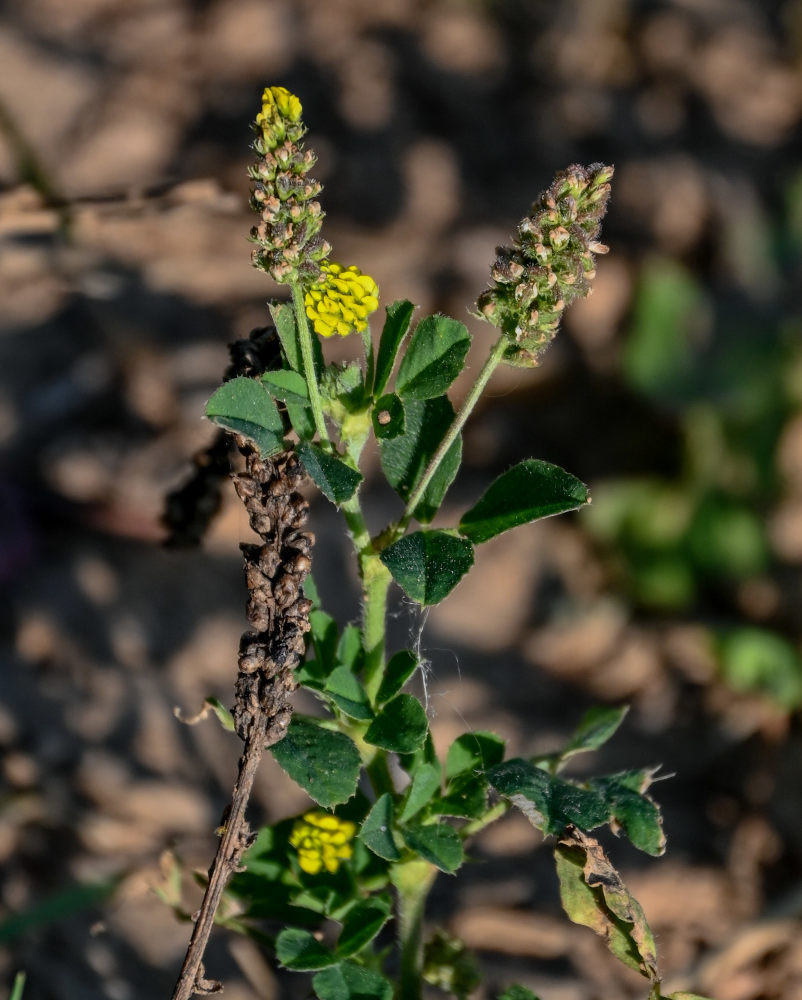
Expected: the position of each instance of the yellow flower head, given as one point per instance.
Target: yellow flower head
(322, 841)
(342, 301)
(280, 109)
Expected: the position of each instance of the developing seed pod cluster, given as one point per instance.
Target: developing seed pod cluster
(288, 241)
(550, 263)
(275, 571)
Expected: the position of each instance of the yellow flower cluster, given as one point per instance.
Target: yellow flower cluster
(342, 301)
(322, 841)
(280, 108)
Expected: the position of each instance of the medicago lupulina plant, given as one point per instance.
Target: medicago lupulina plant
(388, 815)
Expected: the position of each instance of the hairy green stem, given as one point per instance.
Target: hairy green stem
(305, 340)
(375, 583)
(469, 403)
(413, 881)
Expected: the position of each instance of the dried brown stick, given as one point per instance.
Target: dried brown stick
(235, 838)
(269, 651)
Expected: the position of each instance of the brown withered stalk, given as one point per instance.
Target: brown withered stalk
(270, 650)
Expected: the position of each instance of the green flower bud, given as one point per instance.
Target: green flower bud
(550, 263)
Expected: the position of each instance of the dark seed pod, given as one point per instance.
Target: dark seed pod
(275, 571)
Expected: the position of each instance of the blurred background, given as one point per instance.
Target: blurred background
(675, 391)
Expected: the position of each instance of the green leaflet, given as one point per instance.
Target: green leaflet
(287, 386)
(427, 565)
(325, 764)
(405, 457)
(434, 358)
(395, 328)
(347, 693)
(388, 416)
(244, 407)
(401, 726)
(376, 832)
(336, 480)
(284, 317)
(400, 668)
(597, 726)
(301, 951)
(361, 925)
(348, 981)
(474, 752)
(526, 492)
(437, 843)
(548, 802)
(425, 782)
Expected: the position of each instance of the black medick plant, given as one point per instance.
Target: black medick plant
(318, 889)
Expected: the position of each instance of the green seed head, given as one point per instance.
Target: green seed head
(289, 246)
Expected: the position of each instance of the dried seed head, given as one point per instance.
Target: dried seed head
(550, 262)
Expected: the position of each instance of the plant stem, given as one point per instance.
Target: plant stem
(470, 401)
(234, 841)
(498, 810)
(412, 881)
(375, 584)
(305, 340)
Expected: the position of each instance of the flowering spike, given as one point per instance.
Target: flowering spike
(342, 301)
(288, 242)
(550, 262)
(322, 841)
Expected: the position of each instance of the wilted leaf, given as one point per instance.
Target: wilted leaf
(594, 895)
